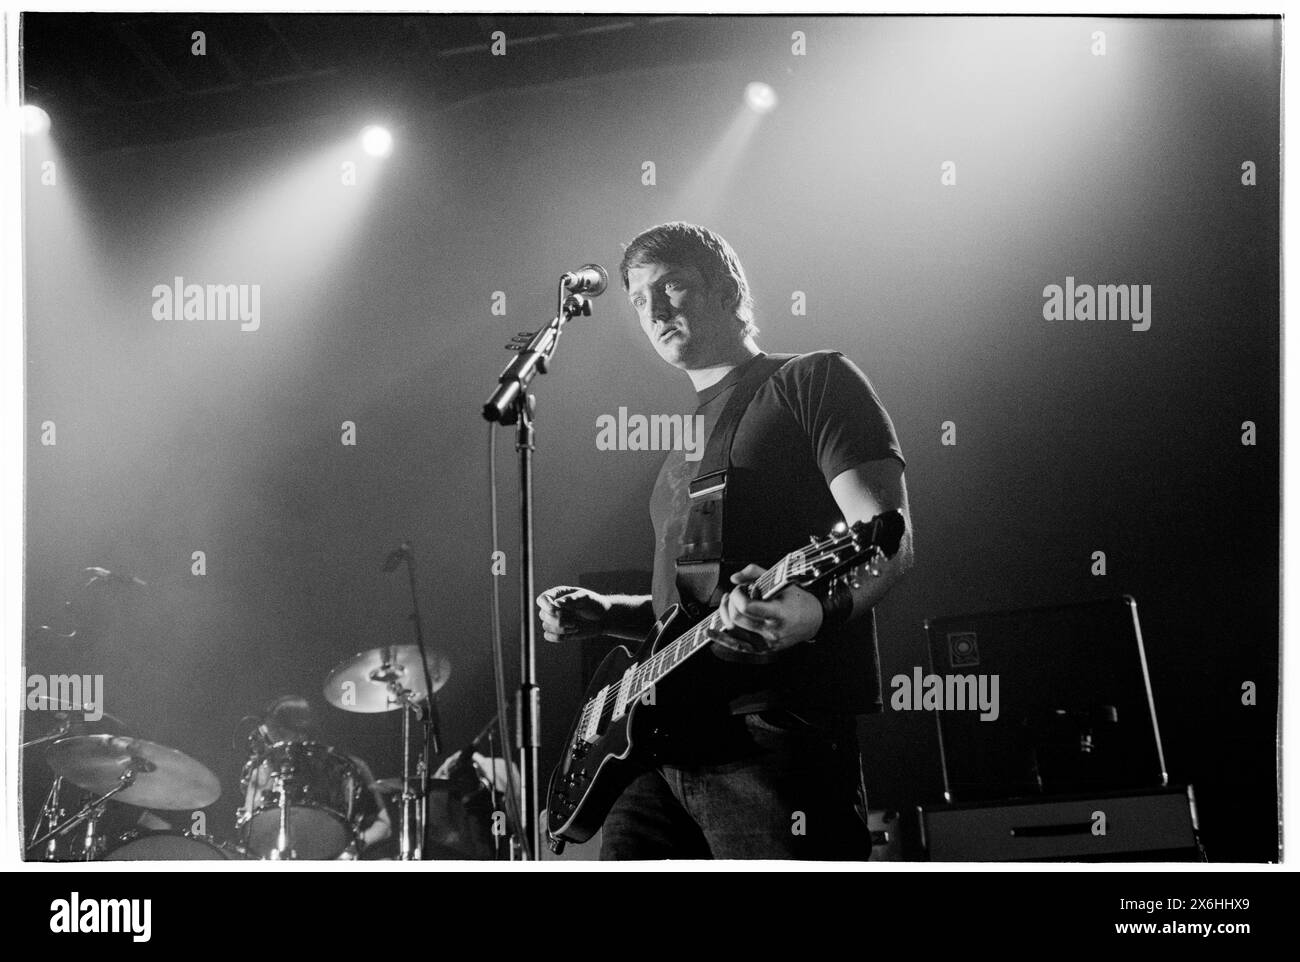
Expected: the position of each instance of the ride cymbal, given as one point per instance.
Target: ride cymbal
(382, 679)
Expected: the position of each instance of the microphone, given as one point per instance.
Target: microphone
(103, 574)
(397, 556)
(589, 279)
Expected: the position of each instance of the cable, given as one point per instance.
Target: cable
(498, 658)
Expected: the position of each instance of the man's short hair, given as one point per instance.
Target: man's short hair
(691, 245)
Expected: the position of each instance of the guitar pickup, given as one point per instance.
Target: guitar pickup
(592, 730)
(624, 690)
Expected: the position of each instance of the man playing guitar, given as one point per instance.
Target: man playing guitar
(758, 753)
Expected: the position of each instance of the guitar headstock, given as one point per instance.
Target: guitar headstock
(846, 547)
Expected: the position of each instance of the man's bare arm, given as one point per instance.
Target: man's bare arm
(572, 614)
(862, 493)
(795, 616)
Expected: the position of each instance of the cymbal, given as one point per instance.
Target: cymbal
(393, 786)
(372, 681)
(166, 779)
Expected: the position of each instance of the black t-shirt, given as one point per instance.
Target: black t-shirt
(815, 418)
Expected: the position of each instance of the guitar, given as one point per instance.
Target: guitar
(602, 754)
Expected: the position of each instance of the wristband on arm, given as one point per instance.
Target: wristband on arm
(837, 604)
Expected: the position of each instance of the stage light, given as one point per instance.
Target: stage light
(33, 120)
(760, 97)
(377, 141)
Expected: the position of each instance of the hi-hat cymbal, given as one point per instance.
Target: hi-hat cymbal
(393, 786)
(166, 779)
(67, 720)
(58, 707)
(375, 680)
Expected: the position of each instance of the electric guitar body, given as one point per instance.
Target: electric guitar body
(599, 768)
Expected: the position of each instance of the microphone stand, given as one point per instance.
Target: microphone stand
(511, 403)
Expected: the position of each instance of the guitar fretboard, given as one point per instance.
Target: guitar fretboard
(640, 681)
(809, 567)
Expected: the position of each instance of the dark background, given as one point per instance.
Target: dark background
(376, 308)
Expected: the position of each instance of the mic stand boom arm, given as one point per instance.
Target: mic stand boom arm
(503, 405)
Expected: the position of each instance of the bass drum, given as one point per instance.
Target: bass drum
(143, 845)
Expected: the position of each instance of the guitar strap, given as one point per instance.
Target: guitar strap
(702, 563)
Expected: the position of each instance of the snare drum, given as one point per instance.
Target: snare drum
(307, 791)
(168, 845)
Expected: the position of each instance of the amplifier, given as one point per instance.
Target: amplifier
(1073, 710)
(1154, 825)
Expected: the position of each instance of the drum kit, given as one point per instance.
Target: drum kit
(302, 799)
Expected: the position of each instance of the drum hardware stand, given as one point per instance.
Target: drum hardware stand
(411, 847)
(411, 840)
(284, 839)
(91, 812)
(511, 403)
(52, 809)
(416, 802)
(51, 812)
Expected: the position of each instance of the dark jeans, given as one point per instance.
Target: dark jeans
(790, 790)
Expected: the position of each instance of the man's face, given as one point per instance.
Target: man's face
(690, 325)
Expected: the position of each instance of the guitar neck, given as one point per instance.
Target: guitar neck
(810, 568)
(672, 655)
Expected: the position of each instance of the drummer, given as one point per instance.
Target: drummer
(289, 718)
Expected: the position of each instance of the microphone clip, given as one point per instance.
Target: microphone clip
(576, 305)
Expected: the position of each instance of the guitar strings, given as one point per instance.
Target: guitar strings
(826, 550)
(611, 703)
